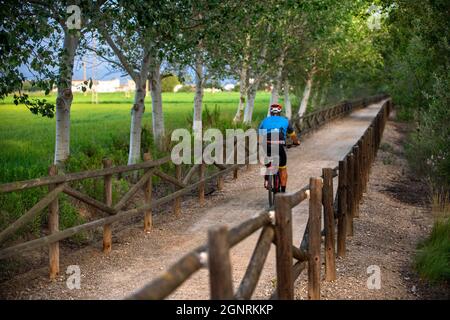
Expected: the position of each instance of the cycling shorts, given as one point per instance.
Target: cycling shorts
(282, 156)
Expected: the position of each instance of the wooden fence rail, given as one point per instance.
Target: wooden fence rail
(181, 186)
(276, 227)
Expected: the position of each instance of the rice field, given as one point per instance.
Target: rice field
(97, 130)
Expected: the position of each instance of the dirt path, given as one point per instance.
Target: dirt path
(137, 258)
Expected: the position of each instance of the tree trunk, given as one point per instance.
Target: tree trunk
(243, 82)
(137, 112)
(306, 94)
(157, 111)
(276, 88)
(198, 100)
(64, 99)
(251, 95)
(254, 84)
(287, 101)
(242, 93)
(274, 97)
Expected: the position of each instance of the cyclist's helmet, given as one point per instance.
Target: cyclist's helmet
(275, 108)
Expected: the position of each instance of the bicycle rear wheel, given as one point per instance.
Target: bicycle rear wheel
(270, 188)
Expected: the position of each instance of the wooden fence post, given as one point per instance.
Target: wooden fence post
(177, 201)
(372, 152)
(221, 178)
(53, 226)
(356, 181)
(377, 129)
(220, 182)
(220, 278)
(315, 211)
(201, 187)
(235, 171)
(107, 198)
(328, 213)
(365, 162)
(283, 240)
(247, 152)
(148, 186)
(351, 193)
(343, 211)
(365, 159)
(361, 171)
(373, 141)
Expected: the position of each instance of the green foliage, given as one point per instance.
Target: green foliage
(429, 146)
(169, 83)
(417, 68)
(432, 260)
(97, 132)
(186, 88)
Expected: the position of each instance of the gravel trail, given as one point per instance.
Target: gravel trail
(137, 258)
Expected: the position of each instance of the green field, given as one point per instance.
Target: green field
(97, 130)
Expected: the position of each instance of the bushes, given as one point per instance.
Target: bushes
(432, 260)
(169, 83)
(429, 147)
(186, 88)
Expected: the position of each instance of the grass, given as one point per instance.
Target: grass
(432, 259)
(97, 131)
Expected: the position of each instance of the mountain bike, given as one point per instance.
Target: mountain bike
(274, 180)
(273, 184)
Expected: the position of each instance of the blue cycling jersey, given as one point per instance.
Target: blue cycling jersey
(275, 124)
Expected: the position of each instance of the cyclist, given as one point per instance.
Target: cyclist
(274, 129)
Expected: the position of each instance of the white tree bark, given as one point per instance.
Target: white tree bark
(198, 99)
(157, 111)
(243, 82)
(250, 105)
(287, 100)
(276, 87)
(254, 85)
(137, 111)
(306, 94)
(274, 97)
(64, 99)
(140, 78)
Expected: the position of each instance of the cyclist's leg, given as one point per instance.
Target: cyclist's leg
(283, 168)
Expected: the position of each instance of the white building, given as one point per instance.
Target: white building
(97, 85)
(229, 87)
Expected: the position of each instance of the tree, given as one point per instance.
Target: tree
(205, 45)
(52, 31)
(135, 32)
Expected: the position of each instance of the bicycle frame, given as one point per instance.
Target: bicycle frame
(273, 186)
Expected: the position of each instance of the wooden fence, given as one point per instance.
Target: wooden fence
(183, 183)
(276, 227)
